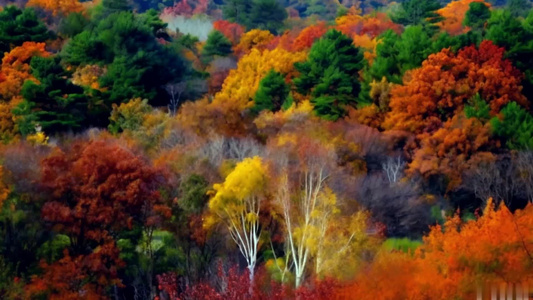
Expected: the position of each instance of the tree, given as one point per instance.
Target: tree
(519, 8)
(216, 45)
(232, 31)
(19, 26)
(238, 202)
(237, 11)
(331, 74)
(454, 14)
(515, 127)
(54, 103)
(96, 189)
(417, 12)
(267, 15)
(58, 7)
(477, 15)
(272, 92)
(434, 93)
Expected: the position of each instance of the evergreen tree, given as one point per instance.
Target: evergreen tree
(515, 127)
(272, 93)
(54, 103)
(19, 26)
(519, 8)
(477, 15)
(418, 12)
(267, 15)
(216, 45)
(330, 74)
(237, 11)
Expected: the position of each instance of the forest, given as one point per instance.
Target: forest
(266, 149)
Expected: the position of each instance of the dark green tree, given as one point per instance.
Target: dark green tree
(331, 74)
(19, 26)
(418, 12)
(515, 127)
(267, 15)
(272, 93)
(217, 44)
(477, 15)
(54, 103)
(237, 11)
(73, 24)
(519, 8)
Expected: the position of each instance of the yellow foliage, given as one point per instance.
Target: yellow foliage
(39, 138)
(88, 76)
(253, 39)
(242, 83)
(246, 180)
(58, 7)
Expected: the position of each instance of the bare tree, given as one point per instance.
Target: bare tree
(499, 180)
(175, 90)
(393, 168)
(524, 164)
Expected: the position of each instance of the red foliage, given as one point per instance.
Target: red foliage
(99, 185)
(184, 8)
(232, 31)
(78, 277)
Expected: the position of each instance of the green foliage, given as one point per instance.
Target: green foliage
(478, 108)
(519, 8)
(237, 11)
(73, 24)
(138, 65)
(399, 53)
(52, 249)
(267, 15)
(272, 92)
(193, 194)
(477, 15)
(331, 74)
(54, 103)
(401, 244)
(515, 127)
(129, 118)
(417, 12)
(216, 44)
(19, 26)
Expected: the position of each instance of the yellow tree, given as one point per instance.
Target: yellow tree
(237, 203)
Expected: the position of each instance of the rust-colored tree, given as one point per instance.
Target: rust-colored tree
(446, 81)
(95, 189)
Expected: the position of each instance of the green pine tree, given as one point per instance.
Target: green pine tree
(331, 74)
(19, 26)
(272, 93)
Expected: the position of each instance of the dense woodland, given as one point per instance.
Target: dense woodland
(265, 149)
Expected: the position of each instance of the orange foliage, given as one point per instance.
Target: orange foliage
(461, 144)
(454, 14)
(232, 31)
(58, 7)
(16, 69)
(439, 89)
(309, 35)
(452, 263)
(371, 25)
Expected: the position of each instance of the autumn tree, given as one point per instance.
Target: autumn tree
(433, 94)
(232, 31)
(330, 74)
(58, 7)
(454, 15)
(238, 202)
(96, 189)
